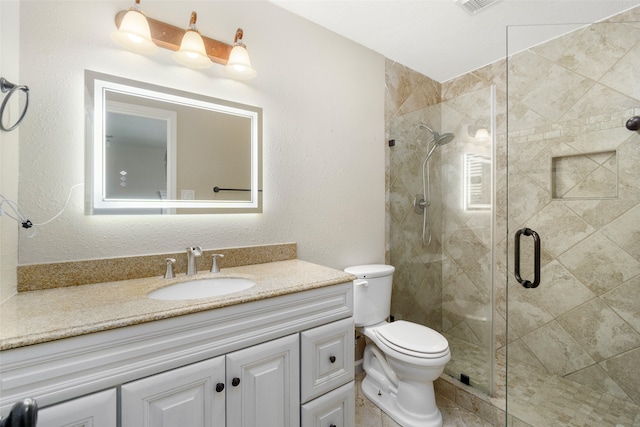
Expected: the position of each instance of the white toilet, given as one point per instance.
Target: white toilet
(401, 359)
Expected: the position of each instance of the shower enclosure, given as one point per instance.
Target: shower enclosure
(574, 179)
(542, 166)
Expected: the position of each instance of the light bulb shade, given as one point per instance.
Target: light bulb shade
(482, 133)
(192, 52)
(239, 65)
(134, 33)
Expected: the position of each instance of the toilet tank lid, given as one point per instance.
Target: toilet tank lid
(370, 270)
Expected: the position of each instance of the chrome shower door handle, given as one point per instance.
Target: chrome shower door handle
(536, 258)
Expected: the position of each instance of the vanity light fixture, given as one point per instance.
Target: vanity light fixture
(239, 65)
(134, 32)
(177, 39)
(192, 52)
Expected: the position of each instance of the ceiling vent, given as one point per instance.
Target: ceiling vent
(475, 6)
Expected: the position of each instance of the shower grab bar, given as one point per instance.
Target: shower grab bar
(536, 258)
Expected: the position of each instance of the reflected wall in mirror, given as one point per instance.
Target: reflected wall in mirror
(154, 150)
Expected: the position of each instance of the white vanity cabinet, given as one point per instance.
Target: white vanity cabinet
(94, 410)
(259, 385)
(181, 371)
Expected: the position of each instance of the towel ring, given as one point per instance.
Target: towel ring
(6, 86)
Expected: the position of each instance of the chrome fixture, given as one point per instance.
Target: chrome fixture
(214, 266)
(7, 86)
(192, 253)
(169, 274)
(422, 201)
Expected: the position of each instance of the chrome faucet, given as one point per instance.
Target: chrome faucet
(169, 274)
(214, 266)
(192, 253)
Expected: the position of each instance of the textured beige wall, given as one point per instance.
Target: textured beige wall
(9, 54)
(323, 128)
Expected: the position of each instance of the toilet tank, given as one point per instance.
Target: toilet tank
(371, 293)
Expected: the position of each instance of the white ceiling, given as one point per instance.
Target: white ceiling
(439, 38)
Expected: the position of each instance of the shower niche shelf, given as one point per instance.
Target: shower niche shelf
(585, 176)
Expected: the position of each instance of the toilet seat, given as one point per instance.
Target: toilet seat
(412, 339)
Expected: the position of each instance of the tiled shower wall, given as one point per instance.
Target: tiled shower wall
(411, 98)
(573, 122)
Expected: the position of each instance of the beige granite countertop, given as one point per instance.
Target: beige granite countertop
(39, 316)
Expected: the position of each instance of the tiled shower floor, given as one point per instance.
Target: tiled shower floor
(540, 399)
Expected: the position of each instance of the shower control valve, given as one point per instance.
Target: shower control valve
(419, 204)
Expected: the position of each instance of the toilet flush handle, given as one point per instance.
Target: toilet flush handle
(360, 282)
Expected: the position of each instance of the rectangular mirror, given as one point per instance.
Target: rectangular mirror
(154, 150)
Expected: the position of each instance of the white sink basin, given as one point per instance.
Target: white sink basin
(202, 288)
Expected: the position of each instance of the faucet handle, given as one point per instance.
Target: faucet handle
(214, 265)
(169, 274)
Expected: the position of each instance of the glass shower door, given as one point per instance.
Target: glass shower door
(573, 212)
(445, 282)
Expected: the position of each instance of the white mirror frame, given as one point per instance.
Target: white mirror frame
(99, 204)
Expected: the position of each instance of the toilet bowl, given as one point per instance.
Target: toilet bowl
(401, 359)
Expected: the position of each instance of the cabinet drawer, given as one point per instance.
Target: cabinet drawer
(326, 358)
(336, 408)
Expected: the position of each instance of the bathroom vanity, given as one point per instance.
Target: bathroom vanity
(278, 354)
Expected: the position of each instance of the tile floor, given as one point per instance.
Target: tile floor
(539, 400)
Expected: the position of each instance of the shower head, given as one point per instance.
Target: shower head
(438, 140)
(443, 139)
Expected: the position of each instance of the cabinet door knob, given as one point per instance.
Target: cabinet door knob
(332, 425)
(219, 387)
(235, 381)
(332, 359)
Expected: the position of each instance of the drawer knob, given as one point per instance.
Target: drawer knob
(332, 359)
(235, 381)
(219, 387)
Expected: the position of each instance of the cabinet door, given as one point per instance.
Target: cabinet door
(94, 410)
(263, 385)
(187, 396)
